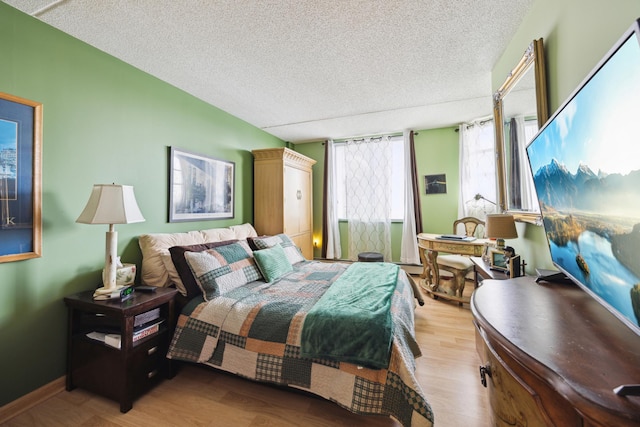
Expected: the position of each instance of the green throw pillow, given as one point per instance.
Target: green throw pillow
(290, 249)
(272, 262)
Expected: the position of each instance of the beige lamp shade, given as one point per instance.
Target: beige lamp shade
(500, 227)
(110, 204)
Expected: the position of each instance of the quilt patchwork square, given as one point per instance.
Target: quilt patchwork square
(269, 368)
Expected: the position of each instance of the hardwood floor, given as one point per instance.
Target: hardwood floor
(197, 396)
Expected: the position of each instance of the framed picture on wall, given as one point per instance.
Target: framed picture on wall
(435, 184)
(20, 178)
(200, 188)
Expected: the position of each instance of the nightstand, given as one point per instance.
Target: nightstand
(124, 373)
(483, 271)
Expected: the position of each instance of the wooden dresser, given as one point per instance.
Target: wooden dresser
(283, 196)
(552, 355)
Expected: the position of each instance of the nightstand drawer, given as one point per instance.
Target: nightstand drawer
(148, 363)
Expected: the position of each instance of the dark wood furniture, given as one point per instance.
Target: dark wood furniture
(552, 356)
(483, 271)
(119, 374)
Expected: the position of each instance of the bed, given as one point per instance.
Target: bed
(253, 306)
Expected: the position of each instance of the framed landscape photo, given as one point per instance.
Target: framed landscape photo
(20, 178)
(497, 260)
(201, 188)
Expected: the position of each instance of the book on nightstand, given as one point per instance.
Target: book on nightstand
(115, 340)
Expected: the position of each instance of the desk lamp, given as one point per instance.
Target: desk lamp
(500, 227)
(110, 204)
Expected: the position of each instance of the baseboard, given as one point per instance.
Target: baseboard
(18, 406)
(412, 269)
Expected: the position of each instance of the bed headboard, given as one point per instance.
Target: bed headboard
(157, 266)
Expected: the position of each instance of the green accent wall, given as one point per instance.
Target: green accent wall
(104, 121)
(437, 153)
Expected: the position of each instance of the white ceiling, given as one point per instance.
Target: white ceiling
(307, 70)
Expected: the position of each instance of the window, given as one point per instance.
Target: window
(397, 179)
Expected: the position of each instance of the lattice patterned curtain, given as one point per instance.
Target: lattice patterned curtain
(368, 191)
(478, 186)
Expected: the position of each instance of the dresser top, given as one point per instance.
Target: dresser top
(564, 336)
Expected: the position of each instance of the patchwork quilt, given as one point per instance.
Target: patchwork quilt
(255, 331)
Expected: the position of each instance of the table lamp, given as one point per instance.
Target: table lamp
(500, 227)
(110, 204)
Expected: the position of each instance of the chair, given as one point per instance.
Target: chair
(460, 265)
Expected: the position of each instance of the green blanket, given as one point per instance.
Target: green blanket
(352, 321)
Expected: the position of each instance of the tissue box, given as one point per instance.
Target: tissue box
(126, 275)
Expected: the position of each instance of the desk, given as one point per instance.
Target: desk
(429, 245)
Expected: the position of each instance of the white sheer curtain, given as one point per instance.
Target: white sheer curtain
(334, 250)
(409, 245)
(368, 195)
(478, 192)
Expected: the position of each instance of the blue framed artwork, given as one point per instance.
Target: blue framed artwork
(201, 188)
(20, 178)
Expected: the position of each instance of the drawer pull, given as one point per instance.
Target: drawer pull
(485, 371)
(152, 373)
(152, 350)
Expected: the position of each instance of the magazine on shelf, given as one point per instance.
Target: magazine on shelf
(114, 340)
(146, 317)
(146, 330)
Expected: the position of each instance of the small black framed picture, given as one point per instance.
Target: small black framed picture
(435, 184)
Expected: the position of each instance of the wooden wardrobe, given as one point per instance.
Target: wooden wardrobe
(283, 196)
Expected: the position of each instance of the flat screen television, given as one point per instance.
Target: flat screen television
(585, 162)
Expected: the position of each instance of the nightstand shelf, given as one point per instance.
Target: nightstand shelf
(120, 374)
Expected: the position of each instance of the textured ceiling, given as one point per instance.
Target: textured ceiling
(307, 70)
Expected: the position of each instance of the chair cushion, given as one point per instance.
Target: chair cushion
(459, 262)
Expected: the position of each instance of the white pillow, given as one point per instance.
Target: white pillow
(157, 265)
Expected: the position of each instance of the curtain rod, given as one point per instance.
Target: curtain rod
(470, 125)
(377, 136)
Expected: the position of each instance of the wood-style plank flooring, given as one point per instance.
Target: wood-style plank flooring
(198, 396)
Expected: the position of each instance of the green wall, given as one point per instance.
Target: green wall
(104, 122)
(437, 152)
(577, 34)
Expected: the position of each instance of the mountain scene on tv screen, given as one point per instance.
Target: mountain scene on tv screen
(587, 179)
(592, 221)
